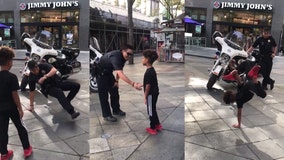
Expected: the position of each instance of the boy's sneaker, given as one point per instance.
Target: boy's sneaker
(75, 115)
(253, 73)
(28, 152)
(159, 127)
(7, 156)
(151, 131)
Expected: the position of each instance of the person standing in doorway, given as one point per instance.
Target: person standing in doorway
(10, 106)
(267, 49)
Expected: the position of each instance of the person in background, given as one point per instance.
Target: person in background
(267, 49)
(10, 106)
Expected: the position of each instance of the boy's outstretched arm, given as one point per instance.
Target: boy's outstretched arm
(238, 125)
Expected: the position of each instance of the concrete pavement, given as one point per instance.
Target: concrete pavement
(209, 134)
(52, 132)
(127, 138)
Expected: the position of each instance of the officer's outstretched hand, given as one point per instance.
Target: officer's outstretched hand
(137, 86)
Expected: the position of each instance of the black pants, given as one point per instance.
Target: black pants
(4, 125)
(245, 66)
(57, 92)
(105, 87)
(152, 110)
(255, 88)
(266, 67)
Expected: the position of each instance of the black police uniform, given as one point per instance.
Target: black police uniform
(54, 87)
(265, 49)
(109, 62)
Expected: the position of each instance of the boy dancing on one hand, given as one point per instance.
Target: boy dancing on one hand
(245, 93)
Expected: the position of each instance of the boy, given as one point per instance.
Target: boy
(151, 90)
(10, 106)
(245, 93)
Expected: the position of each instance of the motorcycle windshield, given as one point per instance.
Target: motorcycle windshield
(237, 39)
(45, 37)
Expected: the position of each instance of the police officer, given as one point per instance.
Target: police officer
(267, 49)
(51, 84)
(110, 62)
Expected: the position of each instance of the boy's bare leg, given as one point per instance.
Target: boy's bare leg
(238, 125)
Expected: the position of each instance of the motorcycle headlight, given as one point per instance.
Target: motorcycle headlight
(35, 57)
(51, 60)
(225, 57)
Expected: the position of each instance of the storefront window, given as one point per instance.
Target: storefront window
(243, 17)
(6, 17)
(70, 16)
(196, 13)
(50, 16)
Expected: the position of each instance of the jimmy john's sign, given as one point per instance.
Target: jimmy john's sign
(48, 5)
(242, 6)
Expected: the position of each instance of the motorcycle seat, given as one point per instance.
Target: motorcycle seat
(70, 49)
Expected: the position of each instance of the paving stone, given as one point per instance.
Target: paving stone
(123, 140)
(102, 156)
(266, 150)
(198, 106)
(242, 151)
(213, 126)
(273, 131)
(224, 139)
(204, 115)
(259, 120)
(249, 135)
(123, 153)
(192, 129)
(98, 145)
(196, 152)
(154, 144)
(79, 144)
(199, 139)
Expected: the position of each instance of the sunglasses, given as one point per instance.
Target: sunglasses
(129, 54)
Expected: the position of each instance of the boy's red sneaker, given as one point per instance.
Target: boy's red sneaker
(7, 156)
(159, 127)
(28, 152)
(253, 73)
(151, 131)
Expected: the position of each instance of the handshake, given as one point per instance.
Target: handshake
(137, 86)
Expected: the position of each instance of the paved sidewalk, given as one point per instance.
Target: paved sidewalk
(127, 138)
(209, 134)
(52, 132)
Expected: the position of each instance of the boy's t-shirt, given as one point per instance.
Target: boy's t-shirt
(243, 95)
(150, 77)
(9, 83)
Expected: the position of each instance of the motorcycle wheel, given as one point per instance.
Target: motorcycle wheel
(212, 80)
(24, 83)
(93, 85)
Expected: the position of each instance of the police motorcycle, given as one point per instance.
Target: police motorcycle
(231, 54)
(95, 55)
(40, 49)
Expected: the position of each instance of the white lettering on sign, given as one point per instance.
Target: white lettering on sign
(246, 6)
(37, 5)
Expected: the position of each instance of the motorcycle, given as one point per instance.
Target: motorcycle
(40, 49)
(95, 55)
(231, 54)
